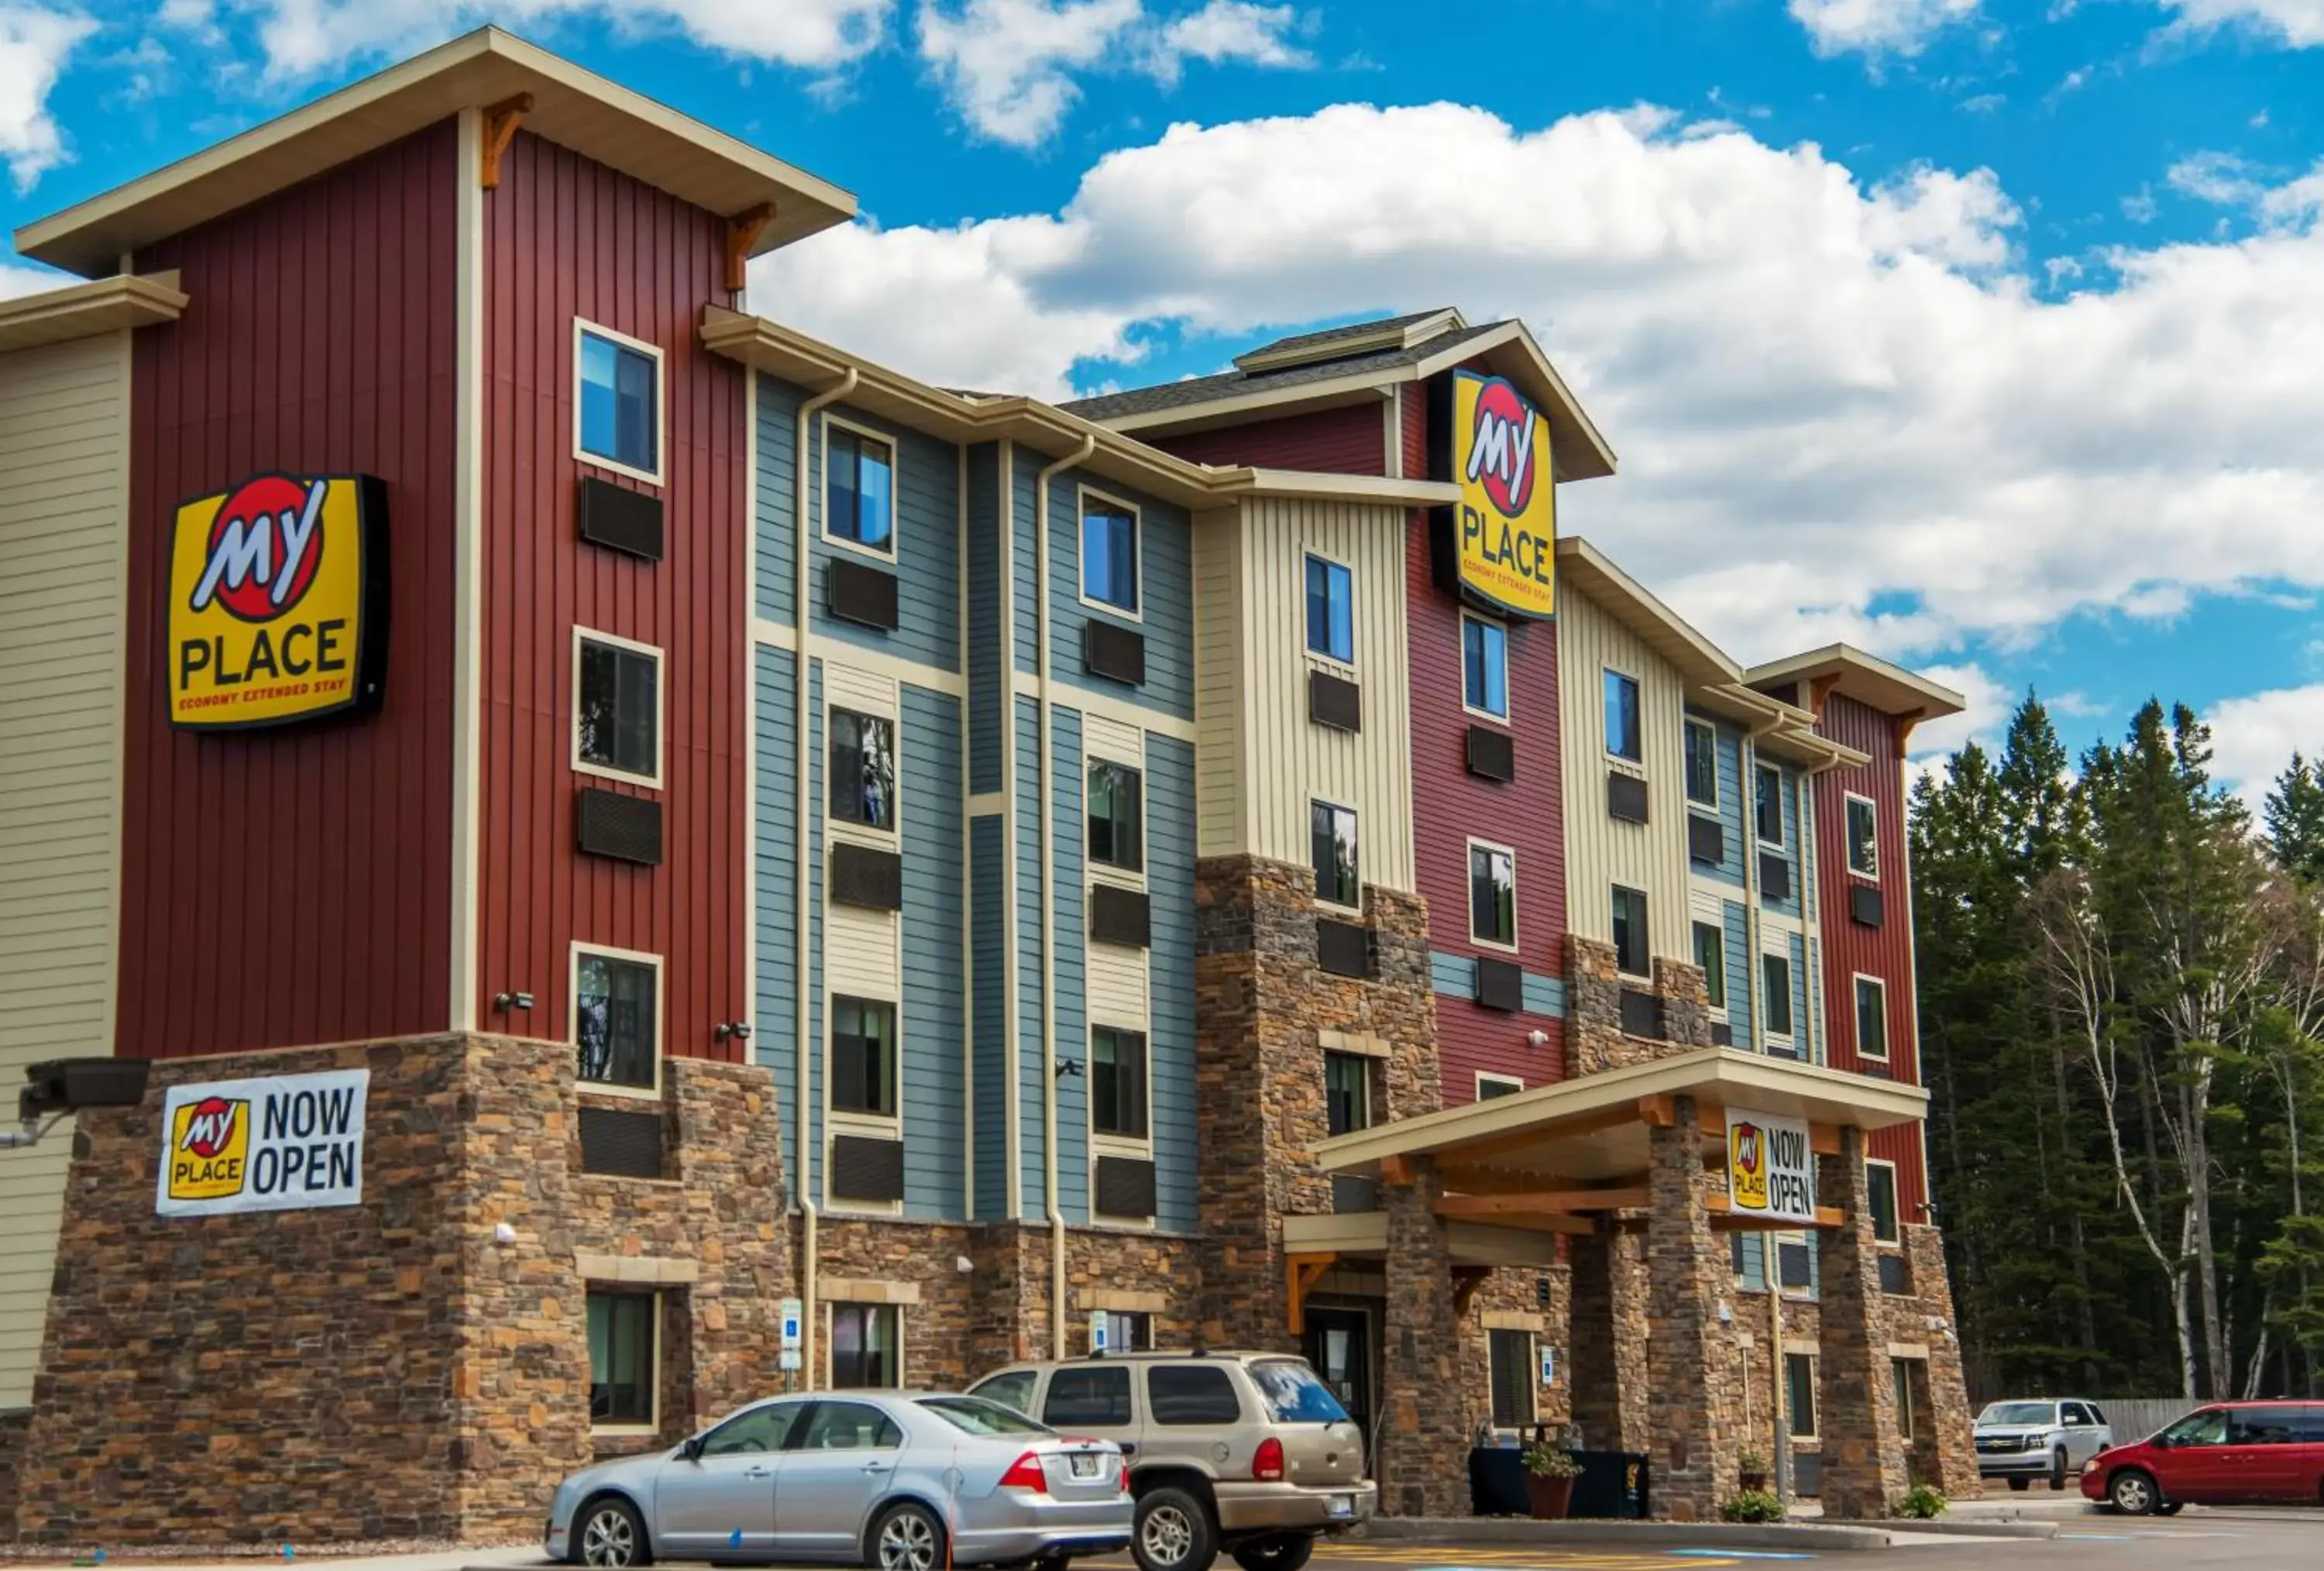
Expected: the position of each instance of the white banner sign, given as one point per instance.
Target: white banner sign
(1770, 1170)
(289, 1142)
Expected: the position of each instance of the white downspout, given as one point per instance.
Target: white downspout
(802, 803)
(1049, 900)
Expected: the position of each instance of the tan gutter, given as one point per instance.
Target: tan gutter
(84, 310)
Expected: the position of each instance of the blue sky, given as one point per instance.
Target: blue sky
(1983, 334)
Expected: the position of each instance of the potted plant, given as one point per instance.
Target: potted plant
(1752, 1465)
(1550, 1473)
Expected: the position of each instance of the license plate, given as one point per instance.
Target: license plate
(1084, 1467)
(1343, 1505)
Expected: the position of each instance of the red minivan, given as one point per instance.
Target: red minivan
(2236, 1451)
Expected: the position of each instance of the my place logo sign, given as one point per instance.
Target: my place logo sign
(1770, 1167)
(287, 1142)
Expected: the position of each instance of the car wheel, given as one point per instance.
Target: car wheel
(607, 1533)
(1173, 1532)
(906, 1538)
(2057, 1471)
(2134, 1493)
(2019, 1485)
(1283, 1552)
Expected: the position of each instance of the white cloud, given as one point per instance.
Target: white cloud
(2295, 23)
(2253, 738)
(1877, 27)
(1991, 704)
(34, 43)
(1008, 66)
(2215, 177)
(1825, 393)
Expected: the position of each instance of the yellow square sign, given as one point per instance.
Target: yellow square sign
(209, 1157)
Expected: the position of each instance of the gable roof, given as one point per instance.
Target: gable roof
(1868, 678)
(571, 106)
(1352, 338)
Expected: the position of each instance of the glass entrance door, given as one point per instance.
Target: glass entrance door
(1339, 1344)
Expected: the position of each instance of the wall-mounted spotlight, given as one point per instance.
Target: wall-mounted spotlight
(505, 1001)
(1538, 1039)
(1068, 1066)
(740, 1029)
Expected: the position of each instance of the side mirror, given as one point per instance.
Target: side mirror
(692, 1449)
(2161, 1442)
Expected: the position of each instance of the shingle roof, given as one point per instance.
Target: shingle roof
(1197, 390)
(1336, 334)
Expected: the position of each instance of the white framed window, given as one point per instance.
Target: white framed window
(1332, 846)
(616, 1020)
(1632, 944)
(1515, 1377)
(1347, 1093)
(617, 401)
(1863, 837)
(858, 488)
(1492, 895)
(1767, 806)
(865, 1343)
(1111, 534)
(1490, 1086)
(864, 1058)
(1775, 997)
(1900, 1370)
(860, 768)
(1871, 1018)
(1711, 959)
(1701, 763)
(1119, 1085)
(1800, 1394)
(1484, 666)
(617, 704)
(1625, 720)
(625, 1362)
(1880, 1189)
(1128, 1331)
(1116, 820)
(1330, 609)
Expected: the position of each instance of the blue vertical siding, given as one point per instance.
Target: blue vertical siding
(989, 1002)
(778, 437)
(1755, 1261)
(1789, 795)
(927, 561)
(1069, 966)
(1032, 1067)
(773, 1043)
(1023, 589)
(1170, 1043)
(934, 1092)
(1165, 597)
(1802, 1023)
(1734, 814)
(1742, 972)
(987, 699)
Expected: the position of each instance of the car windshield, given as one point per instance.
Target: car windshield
(978, 1416)
(2019, 1413)
(1293, 1395)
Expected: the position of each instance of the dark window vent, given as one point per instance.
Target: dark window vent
(1492, 754)
(627, 829)
(627, 1145)
(1125, 1186)
(1865, 906)
(1113, 652)
(1353, 1197)
(1334, 701)
(1119, 916)
(1779, 1051)
(1775, 875)
(866, 876)
(1796, 1264)
(1343, 948)
(855, 592)
(1706, 839)
(1626, 796)
(1895, 1275)
(1642, 1014)
(1877, 1068)
(1501, 984)
(1722, 1036)
(629, 521)
(865, 1169)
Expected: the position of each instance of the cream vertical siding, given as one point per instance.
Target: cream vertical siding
(63, 497)
(1601, 851)
(1263, 760)
(1115, 978)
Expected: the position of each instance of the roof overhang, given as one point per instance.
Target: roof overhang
(1701, 663)
(571, 106)
(84, 310)
(1870, 680)
(1401, 334)
(795, 357)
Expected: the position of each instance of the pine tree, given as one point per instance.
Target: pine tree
(2294, 815)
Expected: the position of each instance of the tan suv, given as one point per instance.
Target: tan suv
(1245, 1452)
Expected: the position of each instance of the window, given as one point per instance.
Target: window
(1485, 667)
(1331, 841)
(1490, 1086)
(1799, 1394)
(1492, 895)
(1118, 1083)
(972, 1417)
(1795, 1263)
(862, 1056)
(1631, 950)
(1768, 805)
(1710, 954)
(1193, 1393)
(1115, 838)
(860, 489)
(2207, 1427)
(2077, 1416)
(1331, 610)
(850, 1426)
(1128, 1331)
(1093, 1396)
(617, 1020)
(1623, 735)
(863, 769)
(1871, 1019)
(1514, 1377)
(755, 1432)
(620, 408)
(1013, 1390)
(1292, 1393)
(617, 707)
(1776, 982)
(1863, 838)
(1347, 1093)
(866, 1350)
(1702, 764)
(1880, 1182)
(1900, 1370)
(622, 1327)
(1110, 554)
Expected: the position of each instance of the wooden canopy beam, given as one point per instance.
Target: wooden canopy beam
(1300, 1273)
(743, 232)
(500, 122)
(1541, 1203)
(1466, 1281)
(1723, 1214)
(1467, 1180)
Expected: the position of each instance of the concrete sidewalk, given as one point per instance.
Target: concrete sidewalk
(428, 1560)
(1616, 1535)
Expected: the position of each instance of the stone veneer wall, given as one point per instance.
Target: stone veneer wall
(1594, 1039)
(1607, 1350)
(1863, 1454)
(1944, 1451)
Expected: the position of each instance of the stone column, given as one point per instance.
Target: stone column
(1943, 1437)
(1426, 1421)
(1863, 1454)
(1692, 1425)
(1606, 1353)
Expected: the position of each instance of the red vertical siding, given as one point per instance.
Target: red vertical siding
(1350, 441)
(293, 886)
(568, 238)
(1850, 948)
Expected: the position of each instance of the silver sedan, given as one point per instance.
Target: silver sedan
(885, 1479)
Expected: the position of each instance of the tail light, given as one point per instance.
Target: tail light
(1266, 1461)
(1027, 1473)
(1125, 1475)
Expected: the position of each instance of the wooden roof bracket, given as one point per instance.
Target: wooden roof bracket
(501, 121)
(742, 231)
(1300, 1273)
(1466, 1281)
(1904, 723)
